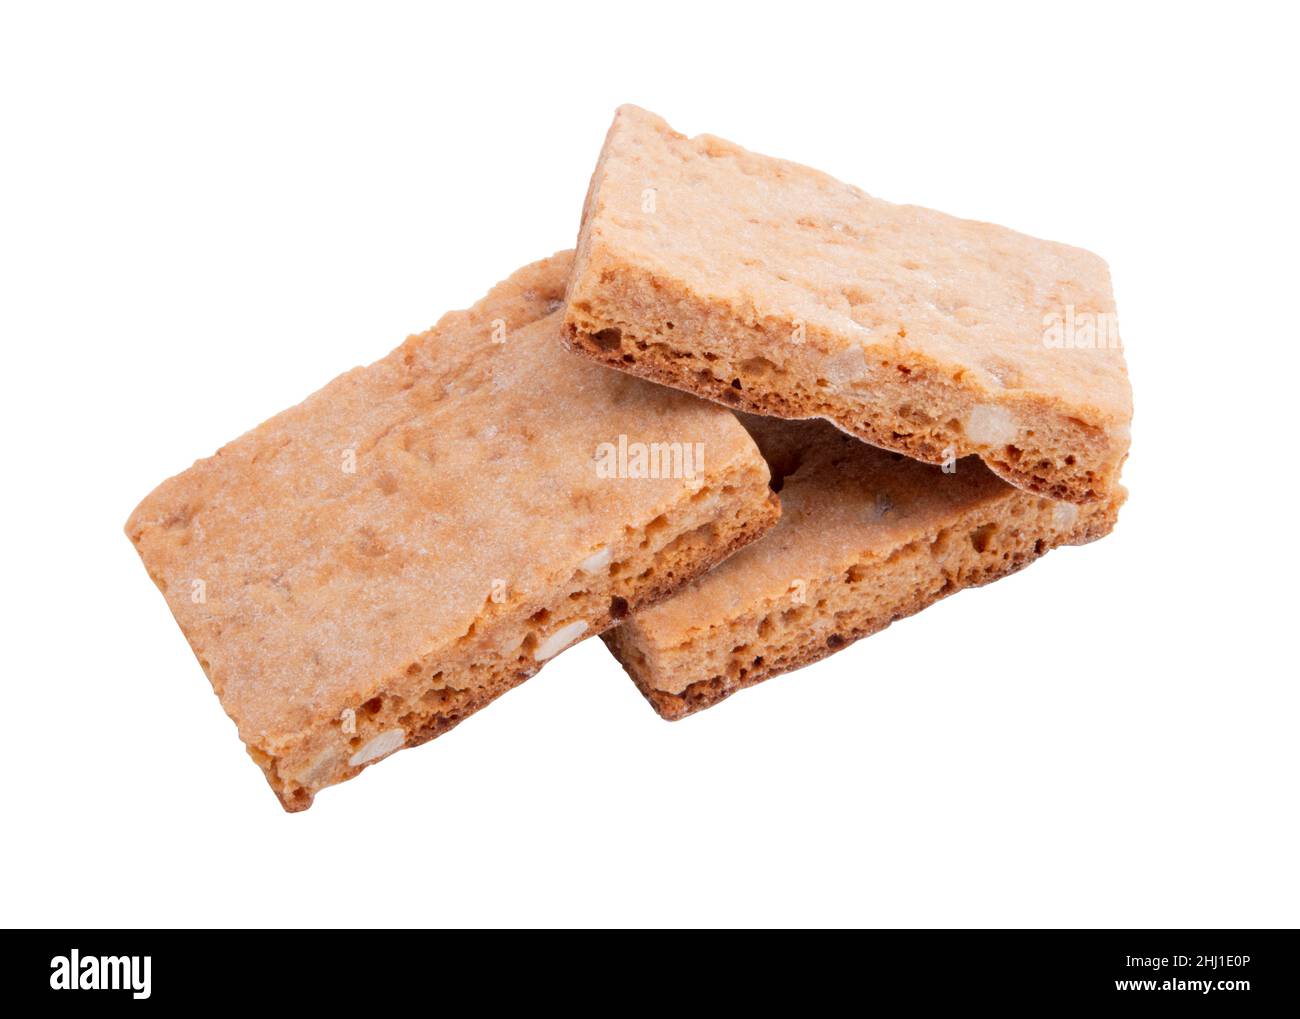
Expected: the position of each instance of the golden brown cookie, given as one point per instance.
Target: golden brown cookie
(866, 536)
(776, 289)
(366, 569)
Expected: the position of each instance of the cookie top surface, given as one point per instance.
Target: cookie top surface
(367, 525)
(767, 237)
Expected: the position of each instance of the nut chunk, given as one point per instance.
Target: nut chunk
(865, 537)
(776, 289)
(366, 569)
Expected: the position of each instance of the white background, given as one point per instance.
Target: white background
(208, 214)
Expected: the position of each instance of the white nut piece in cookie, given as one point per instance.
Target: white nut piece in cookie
(319, 769)
(511, 644)
(560, 639)
(1064, 514)
(987, 425)
(847, 365)
(597, 561)
(379, 746)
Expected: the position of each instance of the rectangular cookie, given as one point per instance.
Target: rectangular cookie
(366, 569)
(776, 289)
(865, 537)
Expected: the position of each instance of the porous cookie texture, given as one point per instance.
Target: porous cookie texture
(363, 571)
(866, 537)
(777, 289)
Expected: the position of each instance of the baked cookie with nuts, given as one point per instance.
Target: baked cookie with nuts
(866, 537)
(367, 569)
(776, 289)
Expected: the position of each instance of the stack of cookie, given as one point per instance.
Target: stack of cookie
(921, 404)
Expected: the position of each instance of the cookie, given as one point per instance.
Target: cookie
(365, 570)
(776, 289)
(866, 537)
